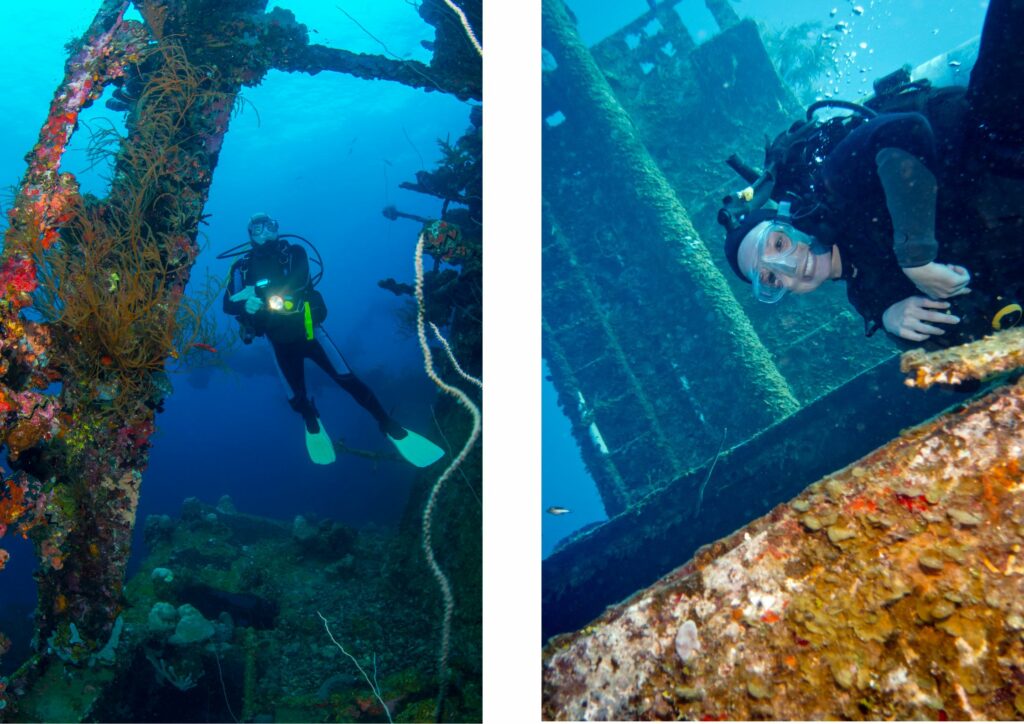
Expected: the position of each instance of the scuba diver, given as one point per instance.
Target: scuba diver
(915, 200)
(272, 293)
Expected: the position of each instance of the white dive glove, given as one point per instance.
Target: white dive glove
(253, 303)
(940, 281)
(915, 318)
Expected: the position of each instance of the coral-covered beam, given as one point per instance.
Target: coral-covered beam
(313, 59)
(106, 49)
(890, 589)
(979, 360)
(28, 415)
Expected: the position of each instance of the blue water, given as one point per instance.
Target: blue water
(323, 154)
(886, 35)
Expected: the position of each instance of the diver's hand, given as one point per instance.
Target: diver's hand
(939, 281)
(253, 303)
(915, 318)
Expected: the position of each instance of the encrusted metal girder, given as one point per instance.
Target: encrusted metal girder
(979, 360)
(613, 211)
(890, 589)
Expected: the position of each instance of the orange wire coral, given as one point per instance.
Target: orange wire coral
(113, 284)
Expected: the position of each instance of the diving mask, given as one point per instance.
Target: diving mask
(782, 252)
(262, 229)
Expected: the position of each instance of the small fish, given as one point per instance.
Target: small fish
(556, 510)
(205, 347)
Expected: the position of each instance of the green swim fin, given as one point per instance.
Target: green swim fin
(319, 446)
(417, 449)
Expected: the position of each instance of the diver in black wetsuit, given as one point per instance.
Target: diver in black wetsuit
(921, 213)
(271, 293)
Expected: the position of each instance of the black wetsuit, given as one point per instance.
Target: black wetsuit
(980, 209)
(285, 267)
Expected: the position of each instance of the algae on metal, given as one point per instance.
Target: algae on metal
(653, 279)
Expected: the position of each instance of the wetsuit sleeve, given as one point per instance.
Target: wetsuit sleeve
(317, 307)
(888, 160)
(875, 289)
(235, 284)
(911, 193)
(298, 269)
(298, 278)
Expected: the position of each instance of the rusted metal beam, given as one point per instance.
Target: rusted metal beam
(890, 589)
(979, 360)
(635, 548)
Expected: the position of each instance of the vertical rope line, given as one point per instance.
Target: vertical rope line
(428, 512)
(465, 24)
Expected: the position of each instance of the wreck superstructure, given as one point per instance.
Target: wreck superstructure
(650, 345)
(889, 589)
(94, 300)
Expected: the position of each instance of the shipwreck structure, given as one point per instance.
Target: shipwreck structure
(889, 589)
(680, 390)
(93, 289)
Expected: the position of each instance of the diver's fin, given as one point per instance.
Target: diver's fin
(417, 449)
(319, 446)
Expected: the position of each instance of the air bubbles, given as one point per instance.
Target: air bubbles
(862, 45)
(858, 9)
(843, 27)
(832, 12)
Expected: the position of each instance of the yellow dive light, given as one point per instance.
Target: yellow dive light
(276, 302)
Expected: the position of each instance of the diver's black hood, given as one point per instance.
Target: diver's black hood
(734, 237)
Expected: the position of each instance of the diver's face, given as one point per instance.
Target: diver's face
(260, 232)
(778, 259)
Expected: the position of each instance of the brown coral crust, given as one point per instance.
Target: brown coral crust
(903, 601)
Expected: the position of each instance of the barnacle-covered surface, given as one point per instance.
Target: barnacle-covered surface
(975, 361)
(890, 589)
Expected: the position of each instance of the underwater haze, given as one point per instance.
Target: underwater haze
(323, 154)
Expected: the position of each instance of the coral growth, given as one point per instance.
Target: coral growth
(888, 590)
(978, 360)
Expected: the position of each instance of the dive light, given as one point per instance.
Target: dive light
(275, 302)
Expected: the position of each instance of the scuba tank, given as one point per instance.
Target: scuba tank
(794, 157)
